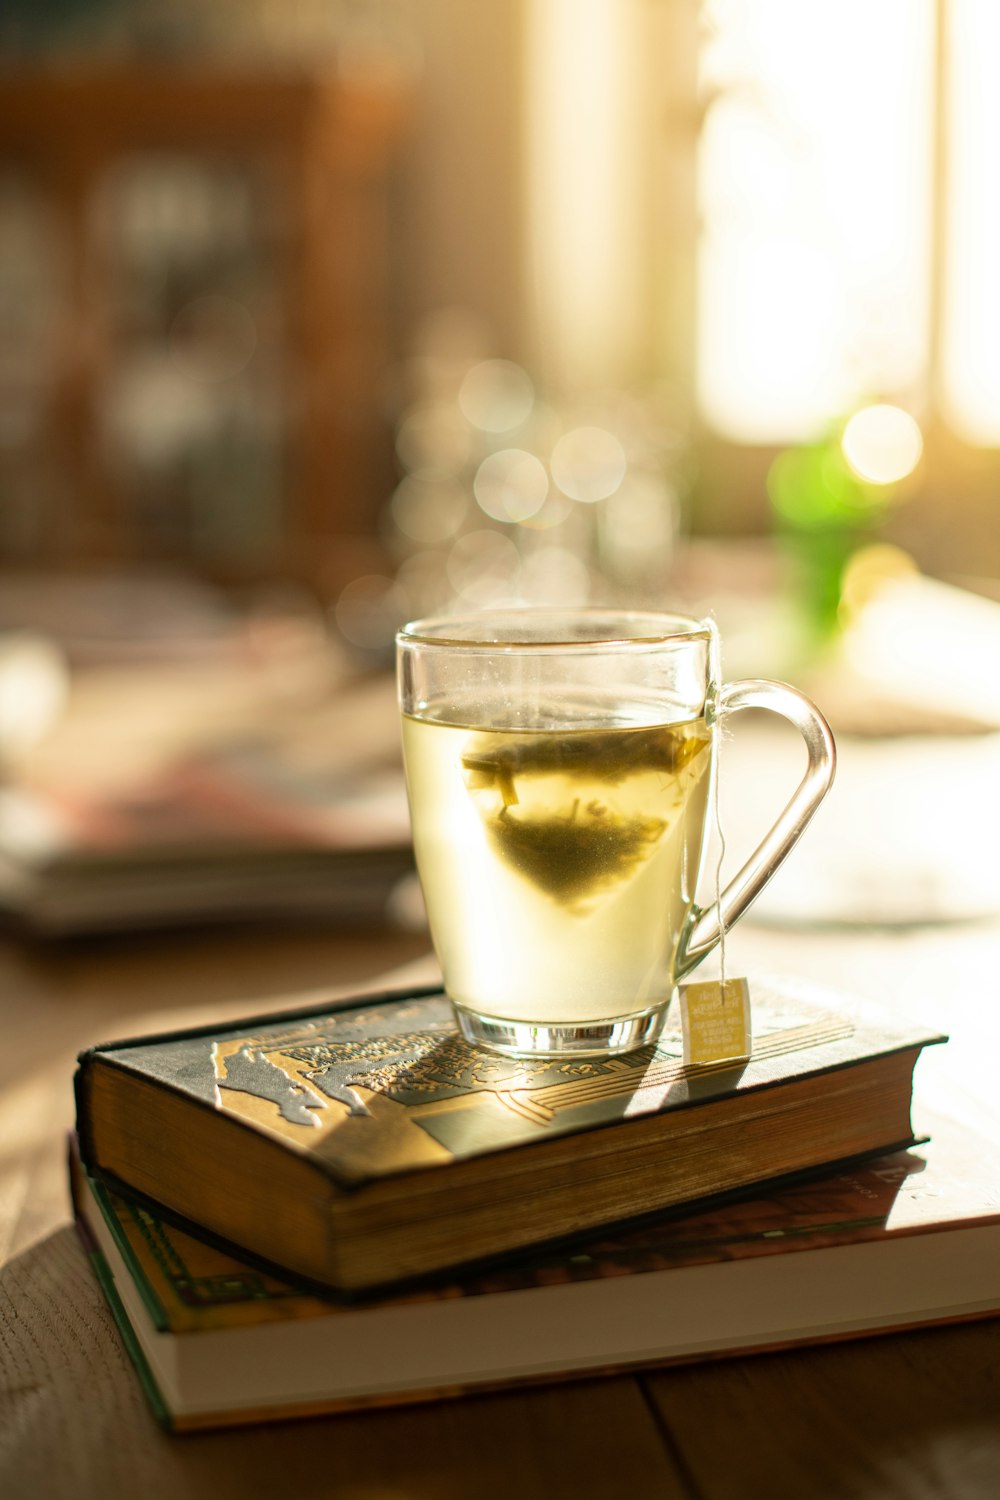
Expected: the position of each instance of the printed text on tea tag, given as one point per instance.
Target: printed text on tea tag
(715, 1021)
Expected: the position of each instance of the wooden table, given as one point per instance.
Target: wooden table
(915, 1415)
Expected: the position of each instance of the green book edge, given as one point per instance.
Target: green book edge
(152, 1391)
(153, 1305)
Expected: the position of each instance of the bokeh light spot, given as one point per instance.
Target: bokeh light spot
(428, 508)
(369, 611)
(555, 575)
(511, 485)
(870, 571)
(424, 582)
(640, 523)
(882, 444)
(483, 567)
(588, 464)
(496, 395)
(555, 512)
(433, 435)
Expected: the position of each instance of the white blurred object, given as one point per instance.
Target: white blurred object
(34, 684)
(917, 641)
(910, 830)
(908, 833)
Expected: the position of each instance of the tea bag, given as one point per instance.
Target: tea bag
(581, 813)
(715, 1021)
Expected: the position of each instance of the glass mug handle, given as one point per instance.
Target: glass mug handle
(707, 923)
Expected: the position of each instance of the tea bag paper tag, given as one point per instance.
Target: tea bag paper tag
(715, 1021)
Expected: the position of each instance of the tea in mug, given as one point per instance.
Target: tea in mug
(558, 865)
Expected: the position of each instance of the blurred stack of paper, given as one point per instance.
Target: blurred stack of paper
(253, 776)
(229, 836)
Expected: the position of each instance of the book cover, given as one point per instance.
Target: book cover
(387, 1085)
(904, 1240)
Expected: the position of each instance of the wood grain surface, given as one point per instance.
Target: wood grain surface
(914, 1416)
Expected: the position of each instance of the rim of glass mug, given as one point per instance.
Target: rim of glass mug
(517, 629)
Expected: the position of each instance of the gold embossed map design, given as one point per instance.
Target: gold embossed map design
(391, 1088)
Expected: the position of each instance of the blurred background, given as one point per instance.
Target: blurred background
(319, 315)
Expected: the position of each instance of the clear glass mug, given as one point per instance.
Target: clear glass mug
(560, 769)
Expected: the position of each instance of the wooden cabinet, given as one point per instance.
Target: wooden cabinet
(194, 316)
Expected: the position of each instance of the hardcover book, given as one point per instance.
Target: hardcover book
(367, 1145)
(907, 1239)
(235, 834)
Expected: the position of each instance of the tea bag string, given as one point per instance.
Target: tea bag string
(715, 669)
(718, 889)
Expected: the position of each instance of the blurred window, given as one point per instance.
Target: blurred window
(970, 335)
(849, 224)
